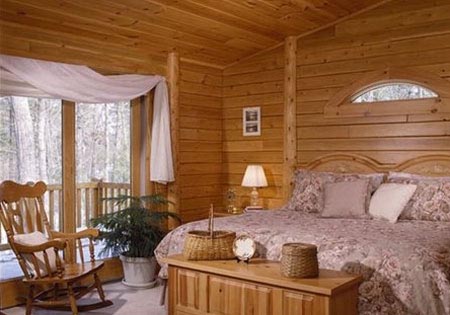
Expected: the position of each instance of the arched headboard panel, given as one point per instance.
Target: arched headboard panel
(428, 165)
(344, 163)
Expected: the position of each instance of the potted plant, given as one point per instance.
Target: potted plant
(133, 233)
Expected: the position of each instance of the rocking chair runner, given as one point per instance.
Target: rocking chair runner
(25, 221)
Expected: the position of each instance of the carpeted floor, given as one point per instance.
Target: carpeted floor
(126, 301)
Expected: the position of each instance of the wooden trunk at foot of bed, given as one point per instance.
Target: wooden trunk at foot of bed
(257, 288)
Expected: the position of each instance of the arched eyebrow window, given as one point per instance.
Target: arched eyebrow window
(390, 92)
(393, 91)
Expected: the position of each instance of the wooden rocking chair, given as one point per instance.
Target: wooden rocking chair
(52, 282)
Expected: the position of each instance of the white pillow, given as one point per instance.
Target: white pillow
(389, 200)
(36, 238)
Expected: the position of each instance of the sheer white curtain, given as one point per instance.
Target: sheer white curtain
(37, 78)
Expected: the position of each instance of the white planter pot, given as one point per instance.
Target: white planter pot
(139, 272)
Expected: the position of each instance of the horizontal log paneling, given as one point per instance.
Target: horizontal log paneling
(200, 146)
(199, 179)
(236, 135)
(192, 157)
(205, 32)
(269, 110)
(253, 100)
(327, 62)
(417, 36)
(199, 205)
(376, 130)
(266, 122)
(314, 120)
(243, 157)
(134, 37)
(250, 78)
(256, 146)
(205, 123)
(429, 117)
(255, 82)
(61, 53)
(376, 144)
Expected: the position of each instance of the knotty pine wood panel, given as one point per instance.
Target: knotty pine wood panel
(99, 60)
(376, 130)
(205, 32)
(333, 59)
(200, 141)
(327, 62)
(255, 82)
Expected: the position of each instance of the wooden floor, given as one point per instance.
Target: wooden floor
(126, 301)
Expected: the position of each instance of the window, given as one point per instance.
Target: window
(26, 154)
(391, 92)
(31, 131)
(102, 157)
(394, 91)
(26, 126)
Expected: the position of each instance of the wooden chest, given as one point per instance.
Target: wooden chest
(258, 288)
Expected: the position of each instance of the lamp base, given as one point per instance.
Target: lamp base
(254, 197)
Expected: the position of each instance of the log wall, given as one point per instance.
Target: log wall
(411, 34)
(213, 153)
(200, 143)
(258, 81)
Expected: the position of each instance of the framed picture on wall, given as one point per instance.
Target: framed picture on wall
(251, 121)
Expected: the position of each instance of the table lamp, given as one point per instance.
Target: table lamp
(254, 177)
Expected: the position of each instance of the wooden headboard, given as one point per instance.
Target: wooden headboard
(430, 165)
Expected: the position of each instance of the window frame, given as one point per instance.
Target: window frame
(138, 106)
(380, 85)
(342, 105)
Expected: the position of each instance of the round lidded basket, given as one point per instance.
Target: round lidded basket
(299, 260)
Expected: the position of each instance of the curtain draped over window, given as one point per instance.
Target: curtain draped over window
(36, 78)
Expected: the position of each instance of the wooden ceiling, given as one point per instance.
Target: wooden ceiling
(213, 32)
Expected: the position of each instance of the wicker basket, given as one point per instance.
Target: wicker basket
(199, 245)
(299, 260)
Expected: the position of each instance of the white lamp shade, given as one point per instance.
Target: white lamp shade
(254, 177)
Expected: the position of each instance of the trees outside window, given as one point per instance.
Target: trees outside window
(393, 92)
(30, 139)
(30, 150)
(103, 142)
(102, 157)
(31, 133)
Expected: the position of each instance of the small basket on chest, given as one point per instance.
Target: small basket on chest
(209, 245)
(299, 260)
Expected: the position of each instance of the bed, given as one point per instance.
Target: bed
(405, 266)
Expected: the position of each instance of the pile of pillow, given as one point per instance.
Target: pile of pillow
(405, 196)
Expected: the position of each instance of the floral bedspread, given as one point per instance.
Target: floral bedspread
(406, 266)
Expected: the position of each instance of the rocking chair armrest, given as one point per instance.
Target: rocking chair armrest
(87, 233)
(28, 249)
(74, 242)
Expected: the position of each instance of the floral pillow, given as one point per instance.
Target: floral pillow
(430, 202)
(308, 194)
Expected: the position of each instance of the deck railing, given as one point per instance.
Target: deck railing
(90, 203)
